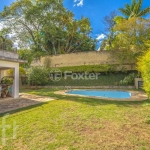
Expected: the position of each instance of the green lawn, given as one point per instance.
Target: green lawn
(75, 123)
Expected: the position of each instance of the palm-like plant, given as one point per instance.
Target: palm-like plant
(134, 10)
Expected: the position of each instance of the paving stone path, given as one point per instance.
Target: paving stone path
(9, 104)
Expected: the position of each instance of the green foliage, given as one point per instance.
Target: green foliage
(5, 43)
(118, 19)
(134, 10)
(90, 68)
(47, 27)
(25, 54)
(109, 23)
(21, 71)
(124, 69)
(144, 68)
(128, 80)
(7, 80)
(130, 38)
(38, 76)
(110, 79)
(147, 120)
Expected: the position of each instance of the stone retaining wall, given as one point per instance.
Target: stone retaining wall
(83, 58)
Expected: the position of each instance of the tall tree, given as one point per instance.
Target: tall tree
(109, 23)
(134, 10)
(130, 38)
(5, 42)
(47, 27)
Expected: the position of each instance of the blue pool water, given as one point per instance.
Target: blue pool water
(102, 93)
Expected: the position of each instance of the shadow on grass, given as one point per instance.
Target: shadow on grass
(82, 100)
(23, 109)
(86, 100)
(95, 102)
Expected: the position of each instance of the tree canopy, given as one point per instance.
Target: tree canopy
(47, 27)
(130, 33)
(130, 38)
(109, 23)
(134, 10)
(5, 42)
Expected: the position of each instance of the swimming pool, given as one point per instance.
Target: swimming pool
(101, 93)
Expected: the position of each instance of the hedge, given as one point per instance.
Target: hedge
(89, 68)
(144, 68)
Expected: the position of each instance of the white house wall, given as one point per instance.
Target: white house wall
(15, 66)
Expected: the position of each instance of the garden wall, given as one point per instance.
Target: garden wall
(83, 58)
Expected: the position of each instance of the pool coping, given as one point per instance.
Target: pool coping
(135, 95)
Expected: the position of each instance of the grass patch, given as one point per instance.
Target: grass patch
(72, 123)
(147, 120)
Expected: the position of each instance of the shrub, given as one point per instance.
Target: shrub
(21, 71)
(90, 68)
(144, 68)
(128, 80)
(38, 76)
(7, 80)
